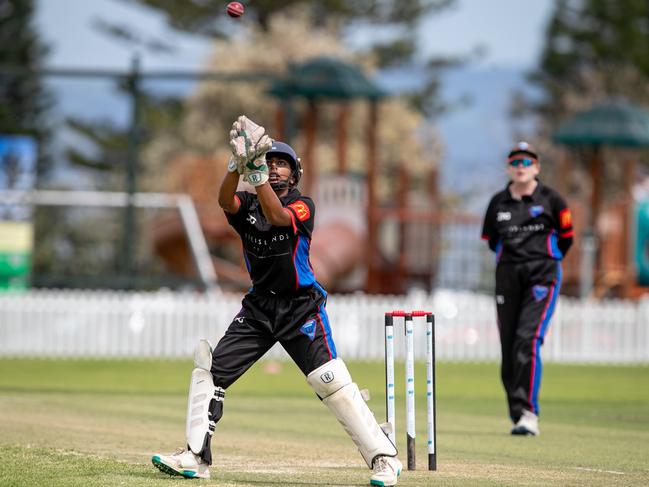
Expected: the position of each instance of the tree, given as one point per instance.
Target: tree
(202, 133)
(173, 127)
(24, 99)
(204, 127)
(594, 50)
(208, 18)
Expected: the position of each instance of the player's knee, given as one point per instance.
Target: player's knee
(203, 355)
(329, 378)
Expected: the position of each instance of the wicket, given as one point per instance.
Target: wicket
(410, 382)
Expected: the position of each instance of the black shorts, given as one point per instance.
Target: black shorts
(299, 322)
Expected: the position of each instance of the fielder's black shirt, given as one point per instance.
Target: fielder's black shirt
(277, 258)
(538, 226)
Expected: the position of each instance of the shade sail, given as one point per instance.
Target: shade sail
(325, 77)
(616, 123)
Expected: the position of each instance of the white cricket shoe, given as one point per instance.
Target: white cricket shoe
(183, 463)
(528, 424)
(386, 471)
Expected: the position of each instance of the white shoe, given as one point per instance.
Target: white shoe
(183, 463)
(386, 471)
(528, 424)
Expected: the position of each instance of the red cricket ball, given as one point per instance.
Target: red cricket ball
(235, 9)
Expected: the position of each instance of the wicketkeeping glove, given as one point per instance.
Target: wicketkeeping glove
(256, 171)
(248, 141)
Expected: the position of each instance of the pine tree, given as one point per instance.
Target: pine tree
(24, 98)
(594, 49)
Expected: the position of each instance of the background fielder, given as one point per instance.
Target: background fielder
(529, 226)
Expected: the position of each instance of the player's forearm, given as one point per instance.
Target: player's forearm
(272, 206)
(227, 201)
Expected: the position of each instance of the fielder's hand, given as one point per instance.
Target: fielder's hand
(248, 141)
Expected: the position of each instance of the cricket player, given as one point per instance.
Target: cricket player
(285, 304)
(529, 227)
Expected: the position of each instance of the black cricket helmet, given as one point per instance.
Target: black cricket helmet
(285, 151)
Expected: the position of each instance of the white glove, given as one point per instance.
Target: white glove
(234, 165)
(255, 171)
(238, 148)
(248, 141)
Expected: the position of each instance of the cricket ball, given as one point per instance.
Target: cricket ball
(235, 9)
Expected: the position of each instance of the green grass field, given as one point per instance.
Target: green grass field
(96, 423)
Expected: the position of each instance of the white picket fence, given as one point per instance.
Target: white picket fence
(168, 325)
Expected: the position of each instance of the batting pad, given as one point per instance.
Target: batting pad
(333, 383)
(204, 409)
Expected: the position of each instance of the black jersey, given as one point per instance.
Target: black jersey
(538, 226)
(277, 258)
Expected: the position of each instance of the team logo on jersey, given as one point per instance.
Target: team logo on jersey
(308, 329)
(301, 210)
(503, 216)
(565, 218)
(536, 210)
(251, 219)
(539, 292)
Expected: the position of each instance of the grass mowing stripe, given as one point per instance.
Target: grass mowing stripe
(97, 422)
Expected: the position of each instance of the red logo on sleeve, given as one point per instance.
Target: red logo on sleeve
(301, 210)
(565, 218)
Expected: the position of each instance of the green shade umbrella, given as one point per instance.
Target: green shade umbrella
(325, 77)
(616, 123)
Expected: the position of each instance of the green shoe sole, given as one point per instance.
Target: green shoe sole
(380, 483)
(188, 474)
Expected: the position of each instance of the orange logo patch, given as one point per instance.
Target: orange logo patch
(565, 218)
(301, 210)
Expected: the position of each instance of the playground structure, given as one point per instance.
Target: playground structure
(352, 228)
(611, 225)
(387, 245)
(361, 243)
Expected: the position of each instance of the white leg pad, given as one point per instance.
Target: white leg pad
(334, 385)
(201, 392)
(205, 403)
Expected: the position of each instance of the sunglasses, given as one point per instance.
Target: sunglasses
(521, 162)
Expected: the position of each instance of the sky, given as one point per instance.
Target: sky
(68, 26)
(509, 33)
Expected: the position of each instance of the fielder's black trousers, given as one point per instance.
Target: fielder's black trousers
(526, 295)
(298, 321)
